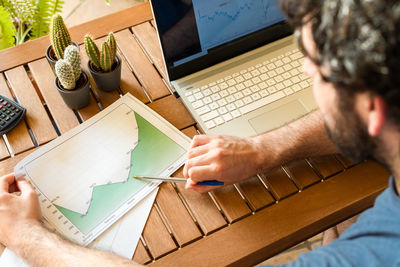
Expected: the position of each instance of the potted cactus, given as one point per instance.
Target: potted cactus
(104, 65)
(71, 81)
(59, 39)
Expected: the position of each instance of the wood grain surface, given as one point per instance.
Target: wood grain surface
(35, 49)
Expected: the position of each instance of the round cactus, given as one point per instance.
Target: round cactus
(73, 57)
(59, 36)
(65, 74)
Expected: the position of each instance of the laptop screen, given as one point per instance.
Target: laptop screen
(195, 34)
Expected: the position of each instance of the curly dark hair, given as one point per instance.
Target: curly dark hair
(358, 41)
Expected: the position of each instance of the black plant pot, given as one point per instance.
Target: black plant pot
(107, 81)
(51, 56)
(79, 97)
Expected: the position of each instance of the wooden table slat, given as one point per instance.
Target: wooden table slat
(173, 110)
(141, 256)
(90, 110)
(302, 173)
(256, 193)
(140, 64)
(19, 137)
(147, 36)
(156, 236)
(63, 116)
(35, 49)
(271, 230)
(190, 132)
(231, 203)
(129, 83)
(181, 223)
(326, 165)
(345, 162)
(36, 116)
(279, 183)
(204, 210)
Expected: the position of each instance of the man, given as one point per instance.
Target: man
(352, 53)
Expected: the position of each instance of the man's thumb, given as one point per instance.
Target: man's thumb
(24, 186)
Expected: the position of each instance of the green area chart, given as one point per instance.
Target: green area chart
(154, 153)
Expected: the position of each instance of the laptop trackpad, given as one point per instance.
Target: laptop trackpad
(277, 117)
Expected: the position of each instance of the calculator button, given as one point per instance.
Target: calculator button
(7, 118)
(9, 106)
(8, 112)
(2, 123)
(12, 114)
(5, 102)
(16, 110)
(3, 116)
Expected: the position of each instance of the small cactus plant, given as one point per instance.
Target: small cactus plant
(69, 70)
(59, 36)
(105, 59)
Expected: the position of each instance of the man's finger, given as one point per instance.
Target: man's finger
(200, 188)
(202, 173)
(25, 187)
(6, 181)
(198, 151)
(199, 140)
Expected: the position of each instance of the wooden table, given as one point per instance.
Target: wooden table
(240, 224)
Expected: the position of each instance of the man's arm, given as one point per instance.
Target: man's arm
(232, 159)
(21, 231)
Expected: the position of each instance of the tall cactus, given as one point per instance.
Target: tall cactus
(59, 36)
(105, 59)
(92, 51)
(113, 45)
(73, 57)
(65, 74)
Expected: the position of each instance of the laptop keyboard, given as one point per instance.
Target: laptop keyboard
(249, 89)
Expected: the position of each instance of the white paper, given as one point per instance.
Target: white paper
(10, 259)
(123, 237)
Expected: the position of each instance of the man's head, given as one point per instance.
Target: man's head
(352, 53)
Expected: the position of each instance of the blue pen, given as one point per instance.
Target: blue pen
(175, 179)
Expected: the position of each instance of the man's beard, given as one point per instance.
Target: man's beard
(350, 135)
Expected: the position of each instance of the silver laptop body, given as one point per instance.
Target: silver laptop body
(230, 86)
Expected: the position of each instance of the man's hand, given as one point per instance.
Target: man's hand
(223, 158)
(19, 206)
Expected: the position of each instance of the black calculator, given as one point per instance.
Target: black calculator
(11, 114)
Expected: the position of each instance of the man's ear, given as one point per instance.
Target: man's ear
(376, 115)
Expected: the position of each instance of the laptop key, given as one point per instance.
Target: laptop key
(247, 100)
(235, 113)
(209, 116)
(210, 124)
(207, 100)
(262, 102)
(238, 95)
(227, 117)
(203, 110)
(197, 104)
(207, 92)
(191, 98)
(213, 105)
(198, 95)
(219, 121)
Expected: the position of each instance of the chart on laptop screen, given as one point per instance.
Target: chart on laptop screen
(224, 20)
(85, 179)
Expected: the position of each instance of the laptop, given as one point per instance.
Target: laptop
(234, 64)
